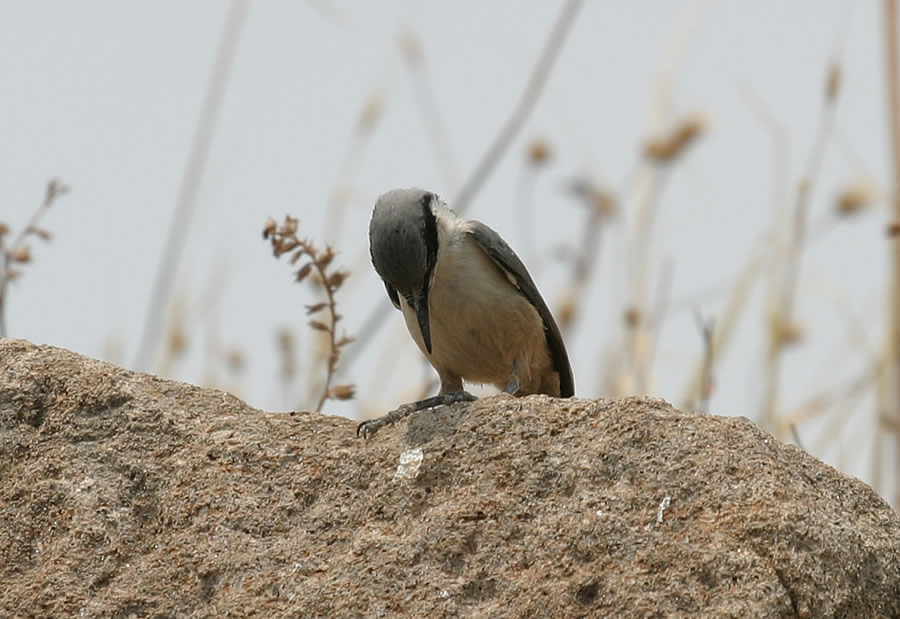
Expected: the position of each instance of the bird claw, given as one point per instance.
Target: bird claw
(368, 428)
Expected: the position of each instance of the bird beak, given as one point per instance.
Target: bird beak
(419, 304)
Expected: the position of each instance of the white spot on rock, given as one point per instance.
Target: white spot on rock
(410, 463)
(663, 506)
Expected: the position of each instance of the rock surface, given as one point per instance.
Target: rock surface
(124, 495)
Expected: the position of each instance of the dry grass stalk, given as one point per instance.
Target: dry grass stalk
(16, 253)
(370, 114)
(201, 146)
(537, 155)
(429, 106)
(176, 340)
(601, 205)
(707, 381)
(832, 397)
(523, 109)
(783, 329)
(889, 393)
(497, 148)
(285, 241)
(724, 329)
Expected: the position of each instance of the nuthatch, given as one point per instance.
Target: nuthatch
(468, 301)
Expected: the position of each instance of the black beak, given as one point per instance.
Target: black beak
(419, 304)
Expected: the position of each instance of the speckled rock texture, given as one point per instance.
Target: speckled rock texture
(124, 495)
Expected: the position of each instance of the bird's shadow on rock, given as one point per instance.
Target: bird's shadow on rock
(440, 422)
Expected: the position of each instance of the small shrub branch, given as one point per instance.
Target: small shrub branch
(17, 253)
(285, 241)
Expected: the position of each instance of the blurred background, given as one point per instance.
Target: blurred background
(702, 191)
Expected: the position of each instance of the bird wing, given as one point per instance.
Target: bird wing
(503, 255)
(392, 293)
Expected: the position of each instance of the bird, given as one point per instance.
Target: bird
(468, 302)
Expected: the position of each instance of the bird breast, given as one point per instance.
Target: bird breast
(481, 325)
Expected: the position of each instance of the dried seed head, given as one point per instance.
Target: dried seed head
(303, 271)
(337, 278)
(411, 46)
(855, 197)
(55, 188)
(235, 360)
(342, 392)
(604, 202)
(833, 82)
(177, 341)
(4, 229)
(312, 309)
(319, 326)
(297, 255)
(893, 229)
(344, 340)
(20, 254)
(370, 114)
(632, 317)
(664, 148)
(270, 228)
(44, 235)
(325, 258)
(600, 198)
(283, 245)
(786, 333)
(285, 340)
(565, 311)
(539, 152)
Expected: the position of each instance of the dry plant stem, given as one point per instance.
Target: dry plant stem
(54, 190)
(657, 317)
(836, 424)
(707, 328)
(890, 391)
(332, 338)
(833, 397)
(431, 114)
(498, 147)
(639, 334)
(781, 145)
(525, 207)
(782, 312)
(737, 302)
(523, 110)
(795, 434)
(284, 241)
(369, 116)
(190, 183)
(725, 328)
(649, 180)
(330, 11)
(599, 205)
(287, 356)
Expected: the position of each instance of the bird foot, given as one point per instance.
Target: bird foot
(368, 428)
(512, 387)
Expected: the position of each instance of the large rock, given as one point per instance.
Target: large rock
(125, 495)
